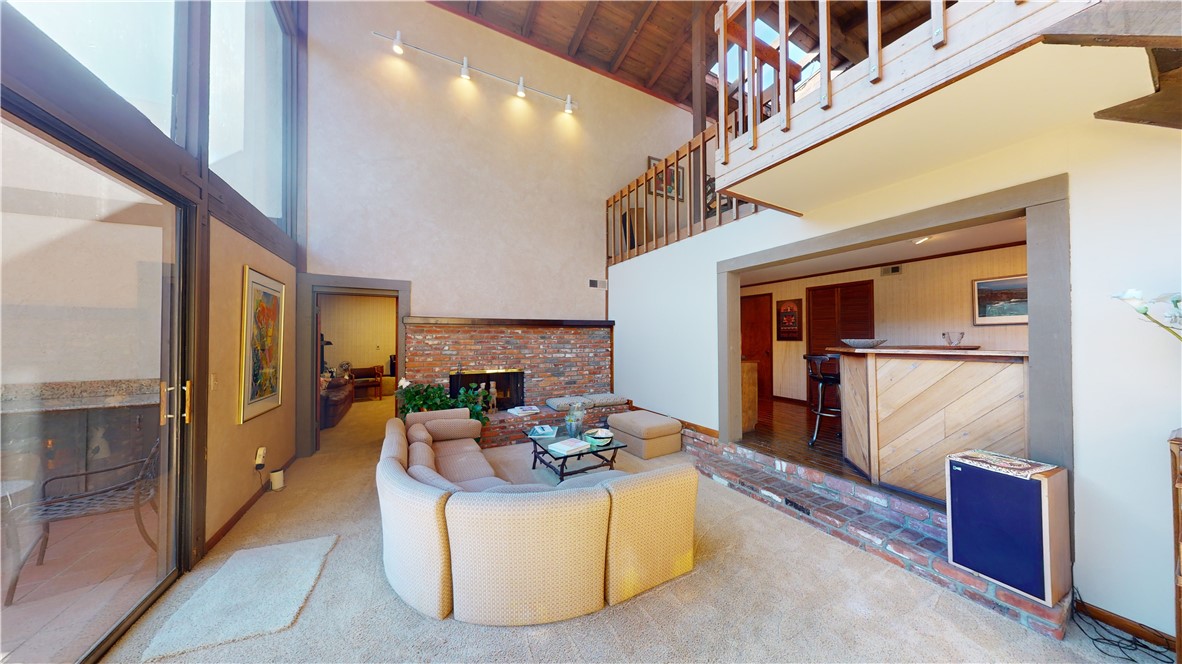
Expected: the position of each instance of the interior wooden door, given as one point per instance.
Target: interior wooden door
(755, 314)
(833, 313)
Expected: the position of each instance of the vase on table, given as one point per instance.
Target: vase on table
(574, 420)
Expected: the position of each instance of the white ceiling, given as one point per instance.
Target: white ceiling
(965, 239)
(1029, 93)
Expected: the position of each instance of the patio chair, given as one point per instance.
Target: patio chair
(130, 494)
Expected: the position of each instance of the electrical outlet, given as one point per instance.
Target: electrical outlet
(260, 458)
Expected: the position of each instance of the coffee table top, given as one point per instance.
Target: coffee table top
(560, 435)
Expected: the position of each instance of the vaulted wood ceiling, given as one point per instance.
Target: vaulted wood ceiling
(647, 44)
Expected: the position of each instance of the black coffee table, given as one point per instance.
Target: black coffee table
(543, 454)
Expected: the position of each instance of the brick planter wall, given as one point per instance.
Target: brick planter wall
(904, 533)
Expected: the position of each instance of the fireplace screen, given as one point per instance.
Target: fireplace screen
(510, 384)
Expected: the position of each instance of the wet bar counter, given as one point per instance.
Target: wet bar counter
(905, 408)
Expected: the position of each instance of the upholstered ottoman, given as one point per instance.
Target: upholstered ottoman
(646, 434)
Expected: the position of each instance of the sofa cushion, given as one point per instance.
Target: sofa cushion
(606, 399)
(449, 414)
(483, 483)
(464, 466)
(644, 424)
(394, 445)
(417, 433)
(520, 488)
(563, 404)
(421, 454)
(590, 479)
(429, 477)
(458, 446)
(453, 429)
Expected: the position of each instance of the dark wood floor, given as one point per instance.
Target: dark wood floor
(784, 430)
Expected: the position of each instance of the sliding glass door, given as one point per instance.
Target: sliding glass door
(90, 405)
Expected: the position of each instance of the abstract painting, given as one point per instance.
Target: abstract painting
(262, 344)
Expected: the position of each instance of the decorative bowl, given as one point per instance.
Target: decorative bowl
(598, 436)
(863, 343)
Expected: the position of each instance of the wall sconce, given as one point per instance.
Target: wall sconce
(399, 47)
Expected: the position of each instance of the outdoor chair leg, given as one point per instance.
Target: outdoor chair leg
(44, 543)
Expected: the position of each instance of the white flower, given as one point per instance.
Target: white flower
(1133, 298)
(403, 383)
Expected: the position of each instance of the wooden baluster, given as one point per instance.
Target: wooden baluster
(630, 227)
(874, 37)
(720, 22)
(689, 194)
(824, 53)
(607, 234)
(939, 24)
(785, 81)
(754, 105)
(665, 217)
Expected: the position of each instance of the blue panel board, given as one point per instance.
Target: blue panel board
(996, 522)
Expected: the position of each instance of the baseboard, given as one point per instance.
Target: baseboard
(798, 402)
(1143, 632)
(221, 532)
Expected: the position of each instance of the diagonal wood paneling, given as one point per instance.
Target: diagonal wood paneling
(855, 417)
(902, 379)
(934, 397)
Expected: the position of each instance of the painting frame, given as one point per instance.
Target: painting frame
(788, 320)
(662, 178)
(1001, 301)
(260, 357)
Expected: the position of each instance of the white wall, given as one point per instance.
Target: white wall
(910, 309)
(363, 329)
(491, 205)
(1125, 207)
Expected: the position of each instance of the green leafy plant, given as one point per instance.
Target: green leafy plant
(413, 397)
(475, 399)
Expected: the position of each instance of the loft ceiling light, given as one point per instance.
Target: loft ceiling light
(399, 47)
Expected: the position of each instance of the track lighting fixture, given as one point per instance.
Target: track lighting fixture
(466, 70)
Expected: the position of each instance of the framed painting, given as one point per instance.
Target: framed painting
(1000, 301)
(261, 358)
(788, 320)
(669, 181)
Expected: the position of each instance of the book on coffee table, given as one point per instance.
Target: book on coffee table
(568, 447)
(542, 431)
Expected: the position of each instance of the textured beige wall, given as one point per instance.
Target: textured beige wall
(910, 309)
(232, 479)
(363, 329)
(490, 204)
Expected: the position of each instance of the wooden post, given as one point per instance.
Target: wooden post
(874, 38)
(938, 24)
(674, 183)
(785, 81)
(824, 49)
(723, 116)
(698, 68)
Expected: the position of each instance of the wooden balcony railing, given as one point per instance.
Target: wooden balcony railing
(673, 200)
(764, 128)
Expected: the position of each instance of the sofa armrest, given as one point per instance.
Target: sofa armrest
(449, 414)
(651, 532)
(415, 550)
(527, 558)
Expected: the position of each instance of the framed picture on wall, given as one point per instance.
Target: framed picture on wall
(1000, 301)
(261, 356)
(667, 181)
(788, 326)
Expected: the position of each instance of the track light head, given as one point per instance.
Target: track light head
(521, 87)
(398, 50)
(570, 106)
(464, 73)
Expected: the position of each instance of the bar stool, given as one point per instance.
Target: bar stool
(823, 380)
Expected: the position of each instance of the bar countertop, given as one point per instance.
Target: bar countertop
(961, 351)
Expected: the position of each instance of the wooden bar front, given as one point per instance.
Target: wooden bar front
(905, 409)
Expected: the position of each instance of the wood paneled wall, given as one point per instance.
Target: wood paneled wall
(363, 329)
(911, 308)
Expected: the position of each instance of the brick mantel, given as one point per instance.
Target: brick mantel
(510, 322)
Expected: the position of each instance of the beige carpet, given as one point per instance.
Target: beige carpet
(766, 588)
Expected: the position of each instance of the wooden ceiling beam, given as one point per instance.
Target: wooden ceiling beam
(849, 49)
(576, 40)
(670, 53)
(737, 34)
(531, 10)
(631, 35)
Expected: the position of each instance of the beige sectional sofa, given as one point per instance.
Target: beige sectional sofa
(455, 537)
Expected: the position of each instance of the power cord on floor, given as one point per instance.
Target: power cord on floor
(262, 480)
(1110, 642)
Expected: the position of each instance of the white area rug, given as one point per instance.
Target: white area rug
(257, 591)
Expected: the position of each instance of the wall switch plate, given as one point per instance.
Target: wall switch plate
(260, 458)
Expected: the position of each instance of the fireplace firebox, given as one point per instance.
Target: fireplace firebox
(510, 384)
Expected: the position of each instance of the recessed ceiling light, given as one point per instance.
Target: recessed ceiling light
(922, 239)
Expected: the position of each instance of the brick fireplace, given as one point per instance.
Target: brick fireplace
(557, 358)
